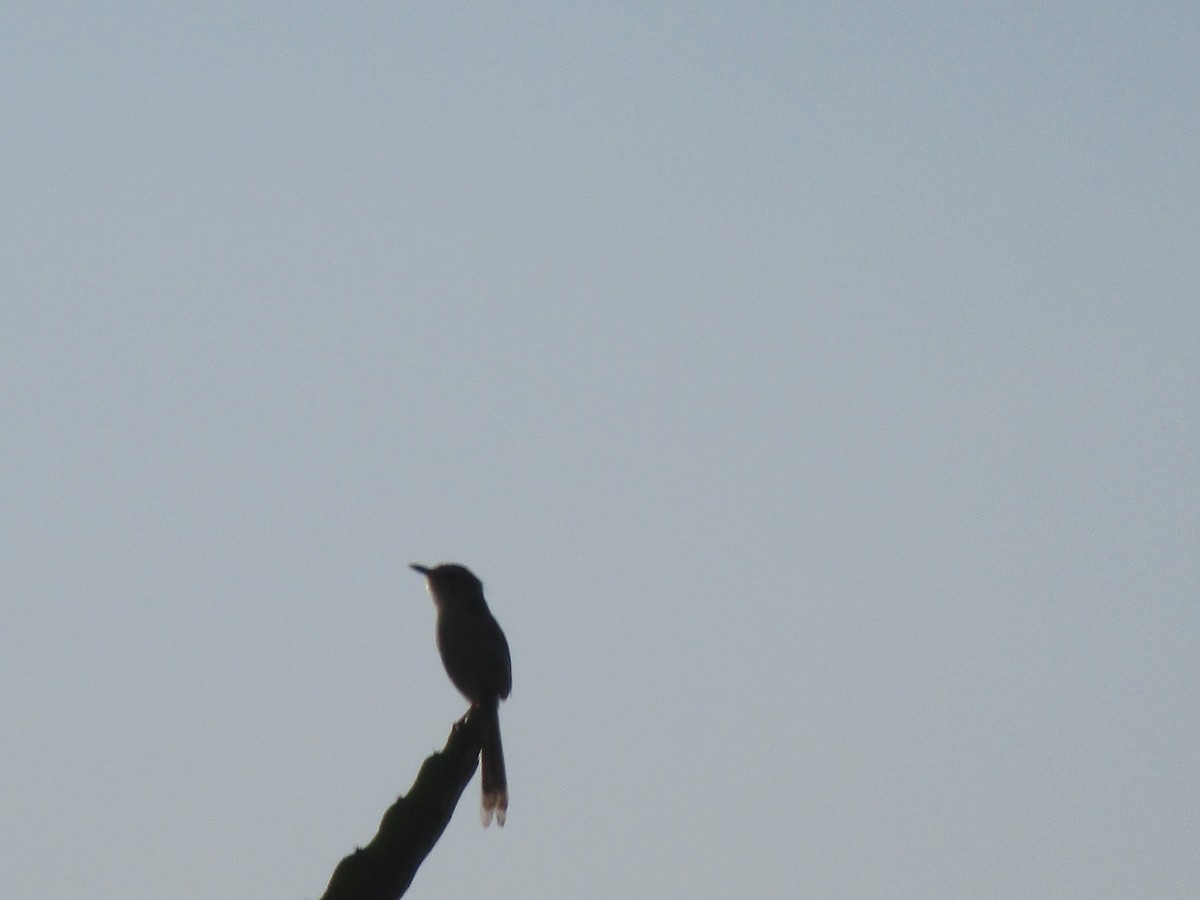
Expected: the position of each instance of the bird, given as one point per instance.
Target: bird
(475, 653)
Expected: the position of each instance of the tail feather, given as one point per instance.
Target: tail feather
(493, 777)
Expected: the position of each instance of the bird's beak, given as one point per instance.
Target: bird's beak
(417, 567)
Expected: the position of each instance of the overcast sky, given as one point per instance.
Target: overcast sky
(814, 389)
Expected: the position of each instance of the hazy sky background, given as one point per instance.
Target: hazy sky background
(815, 390)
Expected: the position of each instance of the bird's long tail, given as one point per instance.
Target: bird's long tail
(494, 779)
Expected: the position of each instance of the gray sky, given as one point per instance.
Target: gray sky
(814, 390)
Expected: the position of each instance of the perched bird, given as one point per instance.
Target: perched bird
(475, 654)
